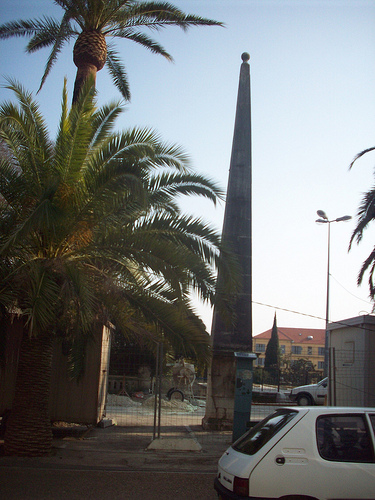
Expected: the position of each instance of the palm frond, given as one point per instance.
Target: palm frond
(365, 214)
(77, 356)
(368, 263)
(167, 186)
(22, 28)
(117, 71)
(359, 155)
(366, 211)
(78, 134)
(63, 129)
(25, 131)
(39, 306)
(156, 15)
(48, 31)
(141, 39)
(62, 34)
(179, 325)
(90, 230)
(103, 122)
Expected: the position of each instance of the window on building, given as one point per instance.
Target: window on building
(260, 347)
(320, 365)
(282, 349)
(309, 350)
(320, 351)
(260, 362)
(296, 349)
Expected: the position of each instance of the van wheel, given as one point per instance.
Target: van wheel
(304, 400)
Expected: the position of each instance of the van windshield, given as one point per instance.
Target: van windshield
(253, 440)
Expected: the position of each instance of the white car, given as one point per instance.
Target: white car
(302, 453)
(313, 394)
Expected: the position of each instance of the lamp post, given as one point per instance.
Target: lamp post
(324, 220)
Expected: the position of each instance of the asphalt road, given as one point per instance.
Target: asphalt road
(57, 484)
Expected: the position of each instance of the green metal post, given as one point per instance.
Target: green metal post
(243, 392)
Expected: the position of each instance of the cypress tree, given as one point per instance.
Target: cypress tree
(272, 360)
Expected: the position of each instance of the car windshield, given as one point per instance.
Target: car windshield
(260, 434)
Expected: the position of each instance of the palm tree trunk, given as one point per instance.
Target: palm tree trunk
(28, 431)
(84, 72)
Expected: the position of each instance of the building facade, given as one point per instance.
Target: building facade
(295, 343)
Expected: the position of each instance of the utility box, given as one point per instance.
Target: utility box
(243, 392)
(352, 362)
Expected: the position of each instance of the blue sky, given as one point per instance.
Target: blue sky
(313, 109)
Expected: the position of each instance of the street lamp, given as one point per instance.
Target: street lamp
(324, 220)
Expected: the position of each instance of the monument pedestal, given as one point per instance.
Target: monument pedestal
(220, 401)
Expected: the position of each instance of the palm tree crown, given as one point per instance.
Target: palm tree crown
(91, 232)
(95, 213)
(90, 22)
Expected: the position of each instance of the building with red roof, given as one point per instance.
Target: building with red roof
(295, 343)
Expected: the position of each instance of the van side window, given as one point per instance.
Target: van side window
(253, 440)
(344, 438)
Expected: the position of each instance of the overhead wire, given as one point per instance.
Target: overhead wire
(342, 323)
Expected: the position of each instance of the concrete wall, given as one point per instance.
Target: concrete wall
(9, 363)
(81, 402)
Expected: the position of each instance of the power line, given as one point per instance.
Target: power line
(342, 323)
(288, 310)
(350, 293)
(311, 315)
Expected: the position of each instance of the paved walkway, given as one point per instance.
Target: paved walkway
(115, 463)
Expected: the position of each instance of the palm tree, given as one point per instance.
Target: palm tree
(90, 22)
(90, 232)
(365, 215)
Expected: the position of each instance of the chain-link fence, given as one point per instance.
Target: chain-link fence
(351, 379)
(152, 393)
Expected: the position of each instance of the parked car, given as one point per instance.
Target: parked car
(304, 453)
(307, 395)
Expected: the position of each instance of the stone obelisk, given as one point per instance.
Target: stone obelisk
(237, 233)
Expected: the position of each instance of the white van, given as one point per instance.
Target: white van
(313, 394)
(302, 453)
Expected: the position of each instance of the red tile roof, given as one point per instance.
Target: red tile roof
(297, 335)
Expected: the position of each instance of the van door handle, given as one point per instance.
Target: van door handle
(280, 460)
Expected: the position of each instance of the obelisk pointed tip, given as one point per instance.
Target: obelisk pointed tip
(245, 57)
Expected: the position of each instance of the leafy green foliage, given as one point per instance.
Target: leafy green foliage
(299, 372)
(90, 229)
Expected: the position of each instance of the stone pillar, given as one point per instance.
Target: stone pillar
(237, 233)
